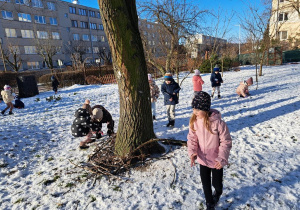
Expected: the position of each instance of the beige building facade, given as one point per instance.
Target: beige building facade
(198, 44)
(285, 20)
(65, 27)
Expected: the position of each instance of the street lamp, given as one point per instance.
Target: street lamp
(4, 65)
(239, 38)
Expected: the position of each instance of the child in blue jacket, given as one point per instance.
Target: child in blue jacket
(216, 80)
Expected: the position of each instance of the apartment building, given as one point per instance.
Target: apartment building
(156, 39)
(29, 27)
(285, 20)
(198, 44)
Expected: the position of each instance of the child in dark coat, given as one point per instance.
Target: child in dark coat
(99, 115)
(170, 89)
(55, 83)
(216, 80)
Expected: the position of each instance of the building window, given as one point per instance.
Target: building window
(282, 35)
(72, 10)
(40, 19)
(95, 49)
(30, 49)
(98, 15)
(37, 3)
(94, 38)
(101, 27)
(55, 35)
(53, 21)
(83, 24)
(283, 17)
(88, 50)
(102, 38)
(85, 37)
(93, 26)
(26, 2)
(33, 65)
(66, 15)
(92, 13)
(42, 34)
(76, 37)
(82, 12)
(7, 15)
(24, 17)
(74, 23)
(5, 0)
(27, 34)
(15, 49)
(10, 32)
(51, 6)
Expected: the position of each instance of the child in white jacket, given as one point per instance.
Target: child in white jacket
(7, 97)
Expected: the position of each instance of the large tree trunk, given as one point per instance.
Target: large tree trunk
(120, 21)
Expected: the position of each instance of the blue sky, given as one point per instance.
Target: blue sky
(237, 7)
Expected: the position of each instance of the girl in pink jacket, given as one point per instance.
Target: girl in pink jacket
(197, 82)
(209, 142)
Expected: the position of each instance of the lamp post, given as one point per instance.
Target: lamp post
(239, 38)
(4, 65)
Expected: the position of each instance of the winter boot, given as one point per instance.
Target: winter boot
(153, 117)
(219, 96)
(212, 95)
(210, 206)
(10, 112)
(172, 123)
(3, 112)
(169, 124)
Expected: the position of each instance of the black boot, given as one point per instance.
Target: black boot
(210, 206)
(169, 123)
(219, 96)
(153, 117)
(3, 112)
(10, 112)
(172, 123)
(212, 95)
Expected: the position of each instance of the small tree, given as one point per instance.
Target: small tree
(12, 57)
(47, 49)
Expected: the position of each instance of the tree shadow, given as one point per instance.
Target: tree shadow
(247, 192)
(249, 121)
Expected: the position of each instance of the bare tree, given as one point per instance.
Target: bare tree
(12, 57)
(177, 18)
(105, 55)
(257, 24)
(47, 48)
(120, 22)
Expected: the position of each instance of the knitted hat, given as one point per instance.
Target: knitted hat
(249, 81)
(216, 68)
(168, 76)
(7, 87)
(150, 77)
(201, 101)
(98, 114)
(197, 72)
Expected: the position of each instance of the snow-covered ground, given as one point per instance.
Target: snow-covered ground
(36, 147)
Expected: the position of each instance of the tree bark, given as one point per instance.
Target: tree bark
(120, 22)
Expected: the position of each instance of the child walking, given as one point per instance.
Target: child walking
(154, 93)
(197, 82)
(170, 90)
(216, 80)
(55, 83)
(7, 97)
(209, 142)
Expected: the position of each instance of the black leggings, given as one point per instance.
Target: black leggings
(216, 181)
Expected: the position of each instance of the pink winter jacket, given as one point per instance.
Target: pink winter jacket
(198, 82)
(210, 147)
(242, 89)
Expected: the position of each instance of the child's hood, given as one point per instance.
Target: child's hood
(215, 115)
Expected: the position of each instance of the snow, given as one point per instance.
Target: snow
(36, 147)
